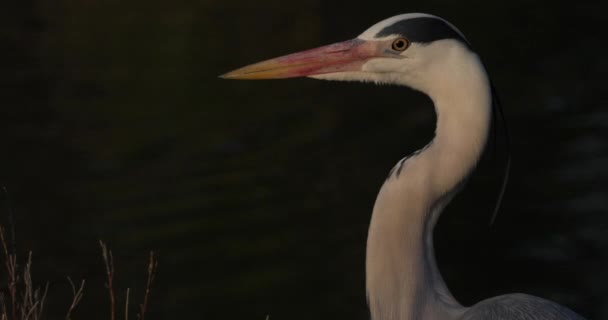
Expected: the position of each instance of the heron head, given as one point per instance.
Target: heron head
(399, 50)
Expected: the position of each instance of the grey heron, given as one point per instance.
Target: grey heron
(428, 54)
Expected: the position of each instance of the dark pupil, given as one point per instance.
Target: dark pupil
(399, 44)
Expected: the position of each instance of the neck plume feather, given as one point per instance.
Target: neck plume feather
(402, 278)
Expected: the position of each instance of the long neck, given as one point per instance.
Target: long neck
(403, 281)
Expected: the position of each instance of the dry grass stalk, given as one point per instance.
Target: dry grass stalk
(127, 305)
(22, 301)
(77, 296)
(32, 301)
(152, 266)
(11, 267)
(30, 304)
(108, 259)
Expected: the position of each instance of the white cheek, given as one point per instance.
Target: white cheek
(387, 65)
(384, 65)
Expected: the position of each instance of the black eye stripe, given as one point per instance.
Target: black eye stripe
(422, 30)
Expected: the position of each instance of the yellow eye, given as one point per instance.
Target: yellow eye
(400, 44)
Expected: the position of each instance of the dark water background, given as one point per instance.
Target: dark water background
(257, 195)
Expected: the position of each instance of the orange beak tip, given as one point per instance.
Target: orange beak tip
(225, 76)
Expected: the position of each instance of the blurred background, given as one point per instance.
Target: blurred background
(256, 196)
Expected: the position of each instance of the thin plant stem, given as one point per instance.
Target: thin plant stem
(109, 263)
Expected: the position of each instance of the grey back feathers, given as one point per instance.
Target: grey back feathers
(519, 307)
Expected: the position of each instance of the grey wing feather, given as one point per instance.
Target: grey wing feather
(519, 307)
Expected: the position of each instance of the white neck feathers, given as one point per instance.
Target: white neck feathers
(403, 282)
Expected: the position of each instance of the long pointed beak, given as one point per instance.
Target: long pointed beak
(338, 57)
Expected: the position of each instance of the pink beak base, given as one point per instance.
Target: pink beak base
(338, 57)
